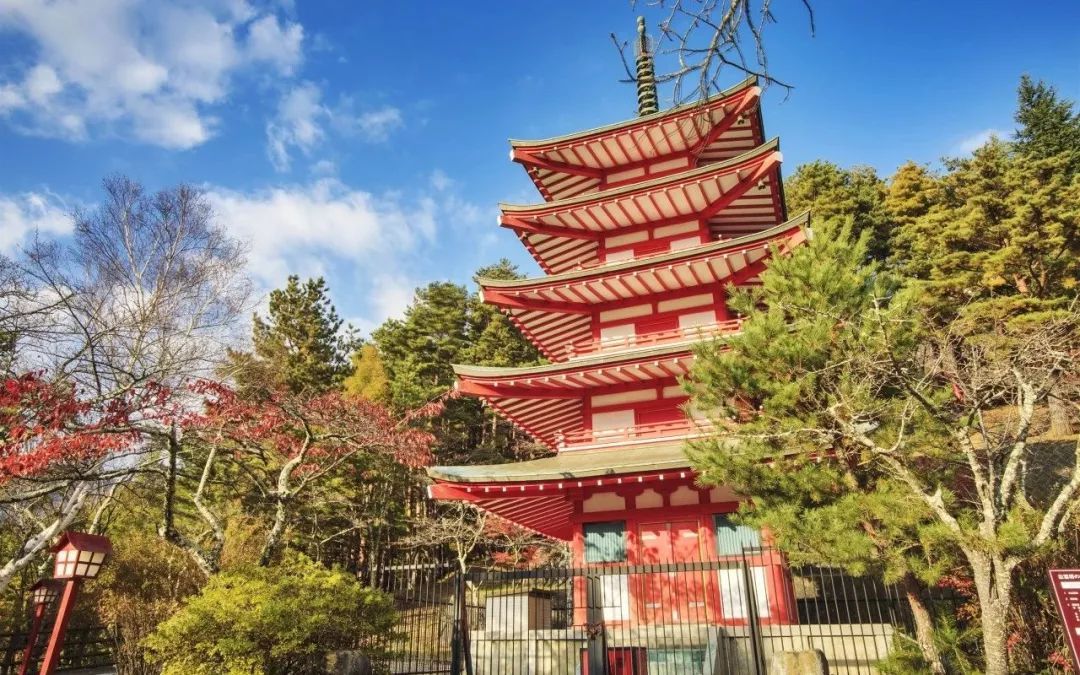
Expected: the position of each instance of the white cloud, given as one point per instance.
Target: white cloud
(24, 215)
(440, 181)
(971, 143)
(298, 124)
(276, 42)
(302, 120)
(297, 229)
(324, 167)
(377, 125)
(153, 71)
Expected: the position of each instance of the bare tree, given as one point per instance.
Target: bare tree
(146, 294)
(705, 39)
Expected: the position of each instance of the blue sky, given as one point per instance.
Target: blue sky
(366, 141)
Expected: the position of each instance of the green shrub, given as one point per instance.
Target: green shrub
(270, 621)
(145, 582)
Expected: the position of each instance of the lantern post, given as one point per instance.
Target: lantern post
(43, 593)
(79, 556)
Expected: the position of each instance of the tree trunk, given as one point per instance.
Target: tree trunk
(1060, 421)
(993, 583)
(274, 536)
(924, 623)
(70, 508)
(168, 502)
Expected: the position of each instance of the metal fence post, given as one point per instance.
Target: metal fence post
(757, 644)
(456, 644)
(594, 626)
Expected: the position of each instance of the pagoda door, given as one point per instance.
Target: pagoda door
(674, 593)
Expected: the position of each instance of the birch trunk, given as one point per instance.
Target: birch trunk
(69, 510)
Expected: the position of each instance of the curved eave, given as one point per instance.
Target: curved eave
(555, 311)
(668, 181)
(548, 402)
(799, 222)
(633, 150)
(566, 466)
(578, 136)
(540, 494)
(542, 374)
(733, 197)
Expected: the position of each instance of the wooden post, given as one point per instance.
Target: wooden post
(63, 615)
(31, 640)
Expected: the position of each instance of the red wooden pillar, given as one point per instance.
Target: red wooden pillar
(31, 641)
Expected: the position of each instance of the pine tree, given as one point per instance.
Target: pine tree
(844, 404)
(368, 379)
(830, 191)
(819, 512)
(445, 325)
(299, 346)
(912, 192)
(1049, 125)
(1002, 243)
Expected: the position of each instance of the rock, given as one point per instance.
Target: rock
(347, 663)
(808, 662)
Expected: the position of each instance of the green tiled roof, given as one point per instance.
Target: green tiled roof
(570, 465)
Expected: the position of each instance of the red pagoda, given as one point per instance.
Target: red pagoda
(644, 224)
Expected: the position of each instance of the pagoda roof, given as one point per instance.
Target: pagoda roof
(562, 235)
(556, 310)
(547, 401)
(537, 494)
(704, 131)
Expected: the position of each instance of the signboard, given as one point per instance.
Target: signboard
(1066, 587)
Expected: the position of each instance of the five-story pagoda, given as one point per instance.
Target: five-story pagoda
(643, 225)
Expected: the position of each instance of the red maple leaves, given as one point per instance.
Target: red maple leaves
(319, 429)
(44, 425)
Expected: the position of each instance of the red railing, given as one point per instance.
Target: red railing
(578, 440)
(621, 342)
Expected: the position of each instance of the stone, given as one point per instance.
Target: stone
(808, 662)
(348, 663)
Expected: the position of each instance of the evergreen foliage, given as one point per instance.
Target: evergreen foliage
(270, 621)
(368, 379)
(857, 193)
(299, 345)
(886, 418)
(1049, 126)
(446, 324)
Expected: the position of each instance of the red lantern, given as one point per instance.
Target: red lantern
(43, 593)
(78, 556)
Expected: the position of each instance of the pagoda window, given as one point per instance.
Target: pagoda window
(697, 319)
(605, 542)
(669, 412)
(644, 243)
(616, 332)
(733, 538)
(613, 423)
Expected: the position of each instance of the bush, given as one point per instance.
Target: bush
(144, 583)
(270, 620)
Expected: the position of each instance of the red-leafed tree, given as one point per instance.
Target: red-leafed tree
(43, 425)
(48, 434)
(288, 447)
(142, 296)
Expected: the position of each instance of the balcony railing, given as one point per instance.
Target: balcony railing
(622, 342)
(586, 439)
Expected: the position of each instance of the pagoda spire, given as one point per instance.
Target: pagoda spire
(646, 75)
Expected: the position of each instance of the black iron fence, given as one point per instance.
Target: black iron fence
(727, 616)
(83, 648)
